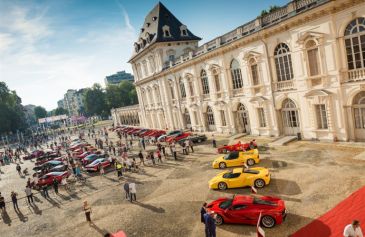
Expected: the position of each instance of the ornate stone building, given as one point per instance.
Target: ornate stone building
(299, 69)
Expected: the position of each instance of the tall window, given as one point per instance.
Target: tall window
(321, 115)
(139, 71)
(145, 69)
(217, 80)
(359, 110)
(223, 118)
(151, 61)
(210, 116)
(284, 69)
(313, 58)
(172, 90)
(355, 43)
(254, 72)
(187, 117)
(205, 84)
(262, 118)
(236, 74)
(182, 88)
(191, 87)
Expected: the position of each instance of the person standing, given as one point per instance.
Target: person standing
(173, 149)
(29, 194)
(214, 142)
(191, 144)
(203, 210)
(45, 191)
(102, 171)
(14, 200)
(209, 224)
(55, 185)
(126, 189)
(87, 210)
(2, 203)
(159, 158)
(353, 230)
(132, 192)
(141, 158)
(184, 148)
(118, 167)
(187, 146)
(19, 169)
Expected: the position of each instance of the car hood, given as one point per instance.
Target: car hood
(219, 159)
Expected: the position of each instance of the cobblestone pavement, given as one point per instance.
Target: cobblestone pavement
(311, 177)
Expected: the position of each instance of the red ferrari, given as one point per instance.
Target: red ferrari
(47, 179)
(96, 164)
(178, 137)
(237, 147)
(246, 210)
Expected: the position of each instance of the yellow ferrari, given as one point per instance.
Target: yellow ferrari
(237, 158)
(241, 177)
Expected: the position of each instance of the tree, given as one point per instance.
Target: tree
(60, 111)
(94, 101)
(12, 115)
(120, 95)
(40, 112)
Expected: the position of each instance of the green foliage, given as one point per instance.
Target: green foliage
(271, 9)
(40, 112)
(99, 102)
(12, 115)
(60, 111)
(94, 101)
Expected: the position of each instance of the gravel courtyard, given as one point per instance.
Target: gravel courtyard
(312, 177)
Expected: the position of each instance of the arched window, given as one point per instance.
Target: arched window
(182, 88)
(254, 72)
(355, 43)
(358, 104)
(217, 80)
(151, 61)
(284, 69)
(210, 116)
(313, 58)
(205, 84)
(158, 95)
(236, 74)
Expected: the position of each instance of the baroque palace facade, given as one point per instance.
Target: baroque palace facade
(299, 69)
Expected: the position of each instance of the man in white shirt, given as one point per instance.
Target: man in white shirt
(132, 192)
(353, 230)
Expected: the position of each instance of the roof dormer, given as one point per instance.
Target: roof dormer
(183, 31)
(166, 31)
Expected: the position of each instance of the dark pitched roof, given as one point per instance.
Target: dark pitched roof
(152, 29)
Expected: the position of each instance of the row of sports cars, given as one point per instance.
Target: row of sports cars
(242, 209)
(160, 135)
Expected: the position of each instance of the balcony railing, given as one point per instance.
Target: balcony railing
(284, 85)
(237, 91)
(354, 75)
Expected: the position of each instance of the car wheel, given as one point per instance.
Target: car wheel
(259, 183)
(268, 221)
(199, 140)
(250, 162)
(222, 186)
(218, 220)
(222, 165)
(224, 151)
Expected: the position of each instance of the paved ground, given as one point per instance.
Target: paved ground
(311, 177)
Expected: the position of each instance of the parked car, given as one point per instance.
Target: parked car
(59, 168)
(90, 158)
(47, 179)
(177, 137)
(171, 133)
(197, 138)
(96, 164)
(243, 209)
(34, 154)
(237, 147)
(241, 177)
(48, 164)
(237, 158)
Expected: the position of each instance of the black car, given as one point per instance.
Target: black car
(195, 138)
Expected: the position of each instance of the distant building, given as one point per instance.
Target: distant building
(61, 104)
(118, 77)
(73, 103)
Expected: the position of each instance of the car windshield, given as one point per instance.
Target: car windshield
(172, 133)
(231, 156)
(226, 204)
(95, 162)
(263, 202)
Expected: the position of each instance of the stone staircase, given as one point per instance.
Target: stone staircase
(283, 141)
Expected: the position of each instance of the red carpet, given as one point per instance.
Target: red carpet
(333, 222)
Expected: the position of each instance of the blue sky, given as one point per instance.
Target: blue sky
(47, 47)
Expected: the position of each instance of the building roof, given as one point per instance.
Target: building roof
(152, 29)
